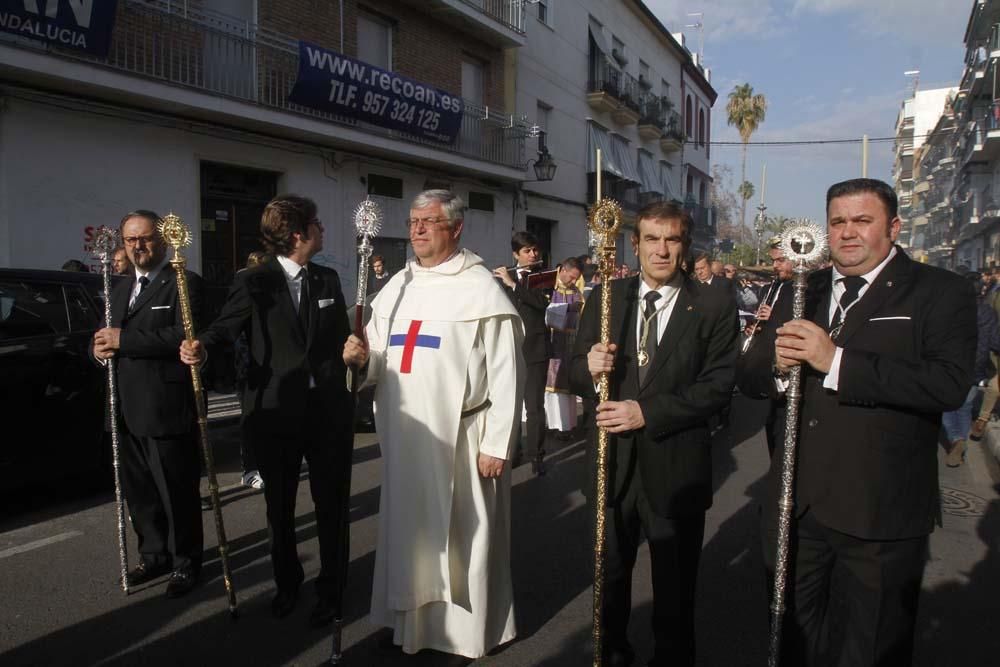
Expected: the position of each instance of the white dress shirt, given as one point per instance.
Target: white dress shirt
(832, 379)
(664, 306)
(150, 275)
(293, 276)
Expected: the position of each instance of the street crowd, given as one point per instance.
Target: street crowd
(459, 354)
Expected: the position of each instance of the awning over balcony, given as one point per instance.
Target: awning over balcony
(666, 176)
(649, 180)
(615, 159)
(597, 34)
(624, 157)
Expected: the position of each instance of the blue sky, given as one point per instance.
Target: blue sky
(831, 69)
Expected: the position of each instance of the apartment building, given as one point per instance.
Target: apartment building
(918, 115)
(931, 225)
(209, 108)
(610, 75)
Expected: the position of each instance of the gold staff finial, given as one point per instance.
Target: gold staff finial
(175, 233)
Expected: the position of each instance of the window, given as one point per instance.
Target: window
(687, 118)
(81, 314)
(701, 127)
(542, 120)
(618, 51)
(701, 194)
(385, 186)
(374, 40)
(664, 88)
(31, 309)
(472, 80)
(543, 11)
(481, 201)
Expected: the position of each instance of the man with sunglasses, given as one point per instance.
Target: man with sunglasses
(296, 401)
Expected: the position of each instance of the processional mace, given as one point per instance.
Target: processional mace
(105, 243)
(604, 221)
(805, 245)
(367, 223)
(178, 236)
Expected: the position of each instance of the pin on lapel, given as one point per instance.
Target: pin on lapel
(690, 308)
(888, 283)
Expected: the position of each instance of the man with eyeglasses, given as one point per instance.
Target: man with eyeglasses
(296, 402)
(444, 351)
(161, 469)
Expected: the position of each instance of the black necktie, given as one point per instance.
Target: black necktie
(304, 300)
(143, 281)
(852, 286)
(651, 328)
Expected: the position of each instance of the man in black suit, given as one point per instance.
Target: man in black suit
(778, 295)
(159, 448)
(886, 346)
(703, 272)
(671, 365)
(296, 401)
(537, 349)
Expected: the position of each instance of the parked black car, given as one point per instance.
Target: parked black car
(52, 393)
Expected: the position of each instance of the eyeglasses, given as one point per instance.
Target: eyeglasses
(426, 223)
(135, 240)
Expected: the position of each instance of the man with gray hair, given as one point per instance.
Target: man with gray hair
(443, 348)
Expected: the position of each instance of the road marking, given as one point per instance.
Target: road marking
(38, 544)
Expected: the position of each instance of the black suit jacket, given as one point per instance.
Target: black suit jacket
(283, 357)
(867, 453)
(154, 388)
(689, 380)
(531, 305)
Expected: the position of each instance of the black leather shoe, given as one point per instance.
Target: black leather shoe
(182, 581)
(284, 602)
(538, 466)
(144, 572)
(323, 614)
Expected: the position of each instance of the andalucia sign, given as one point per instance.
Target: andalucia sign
(84, 25)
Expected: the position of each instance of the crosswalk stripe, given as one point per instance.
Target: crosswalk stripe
(37, 544)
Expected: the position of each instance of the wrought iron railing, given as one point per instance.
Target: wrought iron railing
(507, 12)
(606, 78)
(184, 44)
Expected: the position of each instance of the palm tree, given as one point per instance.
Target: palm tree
(745, 112)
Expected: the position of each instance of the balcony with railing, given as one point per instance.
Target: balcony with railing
(615, 91)
(498, 22)
(653, 116)
(192, 48)
(673, 137)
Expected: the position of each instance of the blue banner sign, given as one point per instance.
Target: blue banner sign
(84, 25)
(330, 81)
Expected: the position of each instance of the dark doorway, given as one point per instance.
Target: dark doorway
(232, 200)
(542, 229)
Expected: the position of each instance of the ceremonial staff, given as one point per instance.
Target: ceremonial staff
(604, 221)
(177, 236)
(804, 244)
(105, 243)
(367, 223)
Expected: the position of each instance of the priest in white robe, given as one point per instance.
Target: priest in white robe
(444, 351)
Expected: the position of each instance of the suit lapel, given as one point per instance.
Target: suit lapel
(682, 316)
(893, 274)
(623, 326)
(165, 275)
(119, 311)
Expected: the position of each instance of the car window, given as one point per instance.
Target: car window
(82, 315)
(31, 309)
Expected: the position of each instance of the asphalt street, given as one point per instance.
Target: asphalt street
(61, 604)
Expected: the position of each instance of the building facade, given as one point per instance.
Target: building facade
(610, 76)
(191, 110)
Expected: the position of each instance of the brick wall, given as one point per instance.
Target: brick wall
(422, 48)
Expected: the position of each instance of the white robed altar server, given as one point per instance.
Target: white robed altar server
(443, 349)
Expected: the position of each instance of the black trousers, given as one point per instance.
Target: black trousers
(850, 602)
(674, 548)
(327, 444)
(534, 407)
(160, 479)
